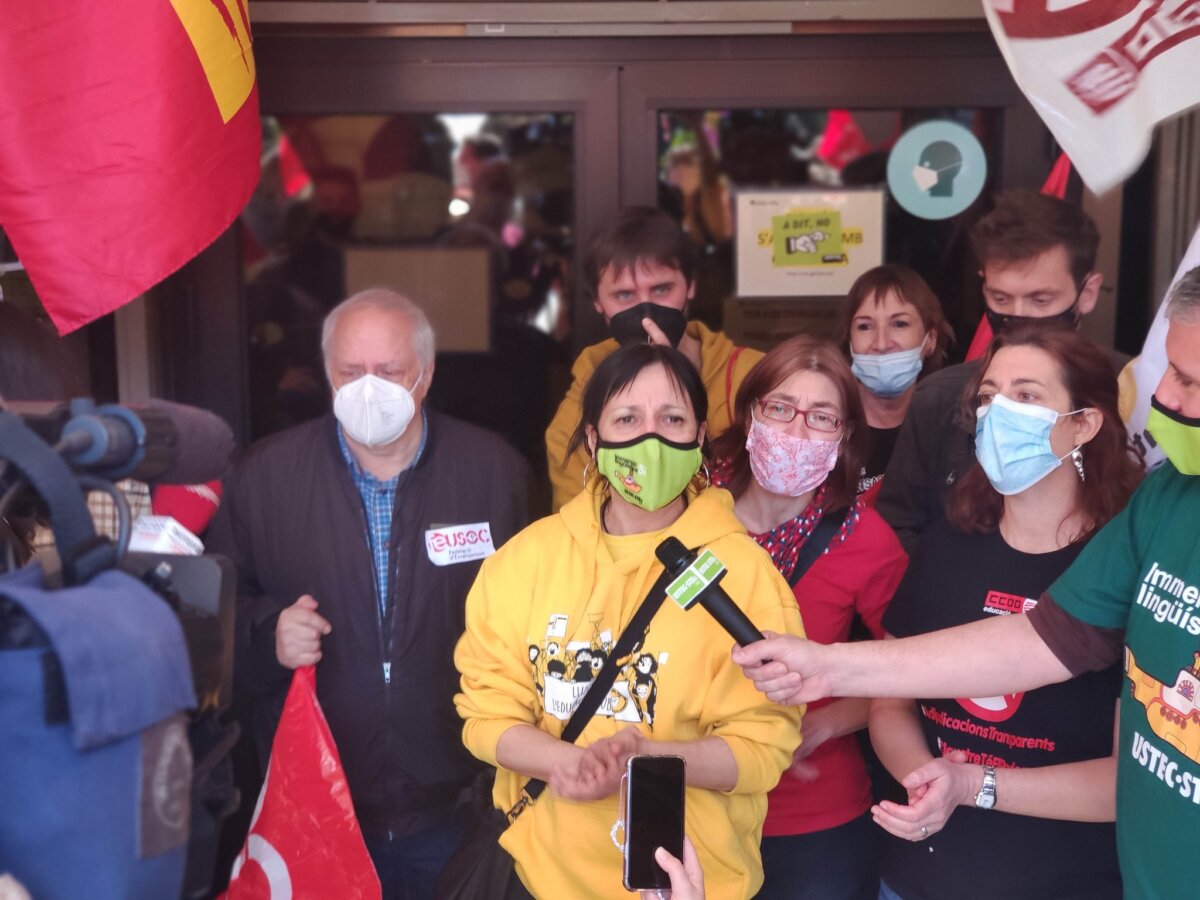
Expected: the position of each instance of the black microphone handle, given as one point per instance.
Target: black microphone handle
(729, 615)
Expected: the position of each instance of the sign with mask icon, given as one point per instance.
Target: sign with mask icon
(806, 243)
(936, 169)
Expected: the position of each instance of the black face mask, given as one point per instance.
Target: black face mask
(626, 326)
(1067, 320)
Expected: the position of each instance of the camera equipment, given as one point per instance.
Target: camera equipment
(100, 658)
(157, 441)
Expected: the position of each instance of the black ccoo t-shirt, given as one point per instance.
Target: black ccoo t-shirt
(883, 442)
(957, 578)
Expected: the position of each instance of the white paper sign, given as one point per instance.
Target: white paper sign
(451, 544)
(806, 242)
(162, 534)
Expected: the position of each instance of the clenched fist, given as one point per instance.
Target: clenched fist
(298, 634)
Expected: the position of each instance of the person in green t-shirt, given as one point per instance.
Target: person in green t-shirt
(1133, 591)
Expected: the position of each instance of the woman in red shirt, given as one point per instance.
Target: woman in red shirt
(791, 460)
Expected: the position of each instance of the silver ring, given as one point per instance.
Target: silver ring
(924, 832)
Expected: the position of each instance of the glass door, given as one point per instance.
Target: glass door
(691, 141)
(464, 186)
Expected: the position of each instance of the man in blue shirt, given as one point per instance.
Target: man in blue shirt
(356, 538)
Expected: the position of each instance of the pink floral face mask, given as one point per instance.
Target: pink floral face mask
(788, 465)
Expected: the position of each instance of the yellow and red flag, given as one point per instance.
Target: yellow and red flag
(129, 140)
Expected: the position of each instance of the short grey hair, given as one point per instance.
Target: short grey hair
(1183, 303)
(387, 300)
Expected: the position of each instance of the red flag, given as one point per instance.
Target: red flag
(1056, 182)
(842, 140)
(304, 842)
(1055, 185)
(129, 140)
(191, 505)
(979, 343)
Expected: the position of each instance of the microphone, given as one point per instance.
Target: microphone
(697, 580)
(158, 442)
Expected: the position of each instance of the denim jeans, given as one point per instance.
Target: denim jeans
(834, 864)
(409, 867)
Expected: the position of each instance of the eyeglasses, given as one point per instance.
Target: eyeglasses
(816, 419)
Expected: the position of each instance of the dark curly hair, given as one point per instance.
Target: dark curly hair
(975, 507)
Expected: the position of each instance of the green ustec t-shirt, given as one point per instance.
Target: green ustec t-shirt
(1141, 573)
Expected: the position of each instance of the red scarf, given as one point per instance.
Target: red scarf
(783, 542)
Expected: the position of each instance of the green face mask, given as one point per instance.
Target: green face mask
(648, 471)
(1178, 436)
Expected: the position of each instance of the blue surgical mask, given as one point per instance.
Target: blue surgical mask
(1012, 443)
(888, 374)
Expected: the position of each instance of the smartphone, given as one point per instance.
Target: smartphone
(654, 790)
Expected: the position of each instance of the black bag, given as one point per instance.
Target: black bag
(480, 868)
(483, 870)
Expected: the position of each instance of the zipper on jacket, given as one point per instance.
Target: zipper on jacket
(386, 663)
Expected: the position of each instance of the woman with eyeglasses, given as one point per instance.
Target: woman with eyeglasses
(546, 615)
(893, 327)
(1012, 796)
(791, 461)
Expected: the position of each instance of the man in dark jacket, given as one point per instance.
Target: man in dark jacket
(356, 538)
(1036, 256)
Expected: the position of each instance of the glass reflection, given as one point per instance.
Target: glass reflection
(704, 156)
(469, 214)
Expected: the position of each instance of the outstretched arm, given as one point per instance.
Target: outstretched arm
(996, 656)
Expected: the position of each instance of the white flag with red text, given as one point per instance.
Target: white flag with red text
(1102, 73)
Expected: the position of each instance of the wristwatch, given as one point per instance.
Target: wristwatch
(986, 798)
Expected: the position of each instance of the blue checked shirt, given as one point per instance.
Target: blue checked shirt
(378, 500)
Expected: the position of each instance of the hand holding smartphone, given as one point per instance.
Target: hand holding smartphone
(654, 796)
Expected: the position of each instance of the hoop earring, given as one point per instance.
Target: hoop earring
(1077, 459)
(707, 475)
(587, 466)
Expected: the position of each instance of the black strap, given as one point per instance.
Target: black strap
(595, 695)
(817, 543)
(82, 552)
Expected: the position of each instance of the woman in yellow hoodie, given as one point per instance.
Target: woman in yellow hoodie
(547, 609)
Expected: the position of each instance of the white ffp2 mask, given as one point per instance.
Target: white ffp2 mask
(925, 177)
(373, 410)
